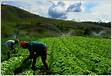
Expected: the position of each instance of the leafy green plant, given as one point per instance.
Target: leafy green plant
(68, 55)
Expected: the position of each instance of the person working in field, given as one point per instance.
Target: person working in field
(36, 49)
(11, 45)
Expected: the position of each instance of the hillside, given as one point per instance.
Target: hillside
(18, 21)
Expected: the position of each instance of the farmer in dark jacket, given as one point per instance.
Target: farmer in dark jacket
(36, 49)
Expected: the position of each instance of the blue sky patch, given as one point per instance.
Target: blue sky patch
(89, 6)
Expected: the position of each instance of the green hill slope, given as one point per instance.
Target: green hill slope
(18, 20)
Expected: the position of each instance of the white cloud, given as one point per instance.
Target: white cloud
(76, 7)
(57, 10)
(38, 7)
(101, 9)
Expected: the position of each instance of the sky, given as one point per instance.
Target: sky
(77, 10)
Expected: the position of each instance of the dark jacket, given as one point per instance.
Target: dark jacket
(37, 47)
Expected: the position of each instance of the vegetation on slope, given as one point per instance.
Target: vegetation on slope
(25, 23)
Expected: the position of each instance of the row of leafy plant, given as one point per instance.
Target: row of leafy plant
(69, 55)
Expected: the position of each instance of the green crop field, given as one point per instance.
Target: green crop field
(66, 56)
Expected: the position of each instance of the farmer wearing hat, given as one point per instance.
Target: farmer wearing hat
(36, 49)
(11, 45)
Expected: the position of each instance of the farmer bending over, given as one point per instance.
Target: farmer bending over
(36, 49)
(10, 44)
